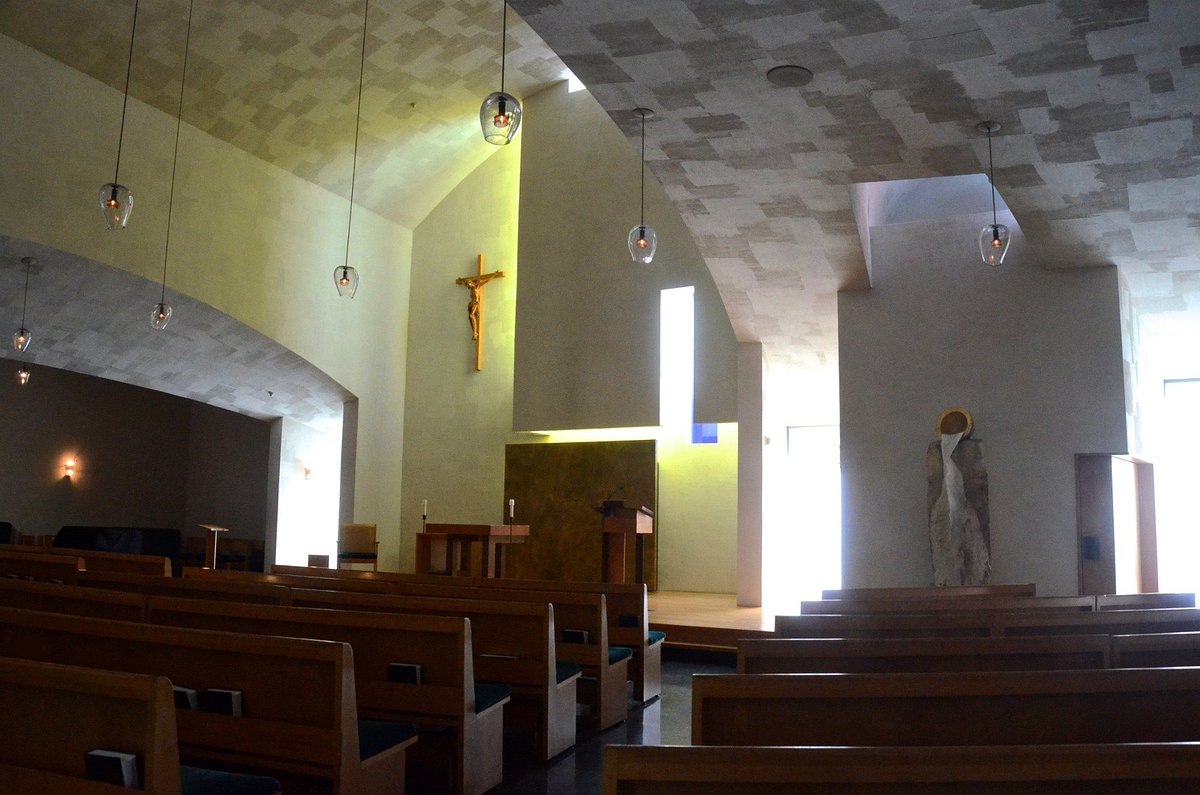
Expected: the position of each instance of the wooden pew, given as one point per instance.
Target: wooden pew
(54, 714)
(988, 623)
(605, 667)
(513, 644)
(1144, 601)
(461, 748)
(247, 591)
(299, 722)
(1143, 769)
(946, 604)
(94, 560)
(899, 655)
(39, 566)
(948, 708)
(1021, 589)
(73, 600)
(628, 615)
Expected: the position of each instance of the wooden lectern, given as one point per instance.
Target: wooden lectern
(210, 544)
(625, 529)
(450, 545)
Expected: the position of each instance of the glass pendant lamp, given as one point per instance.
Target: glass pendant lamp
(23, 336)
(500, 114)
(643, 240)
(345, 276)
(994, 238)
(116, 202)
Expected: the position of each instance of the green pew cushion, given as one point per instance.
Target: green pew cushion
(356, 556)
(655, 637)
(564, 671)
(488, 694)
(618, 653)
(376, 736)
(198, 781)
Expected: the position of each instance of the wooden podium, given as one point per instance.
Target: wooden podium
(625, 530)
(447, 548)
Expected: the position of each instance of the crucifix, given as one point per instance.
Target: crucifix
(475, 306)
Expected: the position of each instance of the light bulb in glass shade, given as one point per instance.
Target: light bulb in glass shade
(160, 316)
(993, 244)
(23, 376)
(500, 116)
(345, 278)
(21, 339)
(642, 243)
(116, 202)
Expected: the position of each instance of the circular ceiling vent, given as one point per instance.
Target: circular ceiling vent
(789, 76)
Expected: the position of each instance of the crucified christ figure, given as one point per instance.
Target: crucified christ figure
(475, 302)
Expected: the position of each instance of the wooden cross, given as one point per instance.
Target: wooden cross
(475, 306)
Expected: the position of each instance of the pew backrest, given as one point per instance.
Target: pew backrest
(1156, 650)
(948, 708)
(74, 600)
(1142, 769)
(55, 714)
(1144, 601)
(248, 591)
(298, 695)
(40, 566)
(948, 604)
(921, 592)
(900, 655)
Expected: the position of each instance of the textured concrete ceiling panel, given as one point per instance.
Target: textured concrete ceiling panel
(1096, 156)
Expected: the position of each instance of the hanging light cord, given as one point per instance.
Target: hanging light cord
(362, 64)
(125, 104)
(992, 174)
(187, 41)
(643, 191)
(503, 41)
(25, 300)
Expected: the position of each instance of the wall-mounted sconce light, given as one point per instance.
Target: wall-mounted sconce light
(70, 465)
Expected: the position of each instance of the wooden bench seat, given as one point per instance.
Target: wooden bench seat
(899, 655)
(300, 711)
(55, 714)
(628, 613)
(1143, 769)
(514, 643)
(461, 748)
(948, 708)
(988, 623)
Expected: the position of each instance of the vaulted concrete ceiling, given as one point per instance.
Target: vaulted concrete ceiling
(1099, 157)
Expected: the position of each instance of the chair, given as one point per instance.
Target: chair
(357, 544)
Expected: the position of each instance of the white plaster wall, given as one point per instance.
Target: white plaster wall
(247, 238)
(1034, 355)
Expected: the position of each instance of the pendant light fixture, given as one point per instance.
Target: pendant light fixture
(160, 315)
(643, 241)
(345, 277)
(23, 336)
(500, 114)
(994, 239)
(116, 201)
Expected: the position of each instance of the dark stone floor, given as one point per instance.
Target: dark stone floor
(664, 721)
